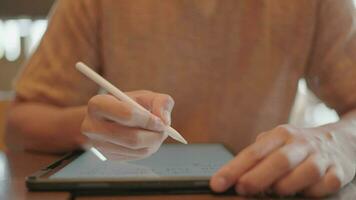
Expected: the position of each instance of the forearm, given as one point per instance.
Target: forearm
(44, 127)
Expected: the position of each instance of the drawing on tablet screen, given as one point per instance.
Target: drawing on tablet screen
(170, 161)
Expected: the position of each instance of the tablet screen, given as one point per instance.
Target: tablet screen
(172, 160)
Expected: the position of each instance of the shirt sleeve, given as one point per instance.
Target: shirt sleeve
(49, 75)
(331, 73)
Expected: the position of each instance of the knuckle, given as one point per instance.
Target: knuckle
(330, 136)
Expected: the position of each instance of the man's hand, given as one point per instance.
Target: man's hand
(120, 131)
(289, 160)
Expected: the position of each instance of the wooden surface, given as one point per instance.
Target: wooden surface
(349, 193)
(165, 197)
(3, 107)
(15, 166)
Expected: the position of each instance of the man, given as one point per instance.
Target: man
(232, 68)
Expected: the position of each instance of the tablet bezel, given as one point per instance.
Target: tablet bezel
(40, 181)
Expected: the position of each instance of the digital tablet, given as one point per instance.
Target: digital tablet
(175, 168)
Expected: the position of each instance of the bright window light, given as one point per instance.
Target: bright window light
(2, 40)
(302, 86)
(13, 31)
(12, 40)
(3, 169)
(37, 30)
(24, 25)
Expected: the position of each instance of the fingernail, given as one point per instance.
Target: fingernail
(167, 116)
(158, 124)
(220, 184)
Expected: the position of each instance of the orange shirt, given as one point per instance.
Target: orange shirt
(232, 66)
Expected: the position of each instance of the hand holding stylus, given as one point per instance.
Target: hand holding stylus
(120, 126)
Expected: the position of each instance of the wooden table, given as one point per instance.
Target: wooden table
(15, 166)
(348, 193)
(3, 108)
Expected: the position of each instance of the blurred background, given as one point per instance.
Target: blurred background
(22, 24)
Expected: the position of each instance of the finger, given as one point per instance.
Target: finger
(143, 97)
(329, 184)
(305, 175)
(159, 104)
(108, 147)
(162, 107)
(272, 168)
(248, 158)
(128, 137)
(110, 108)
(125, 156)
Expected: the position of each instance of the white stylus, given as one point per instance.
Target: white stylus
(91, 74)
